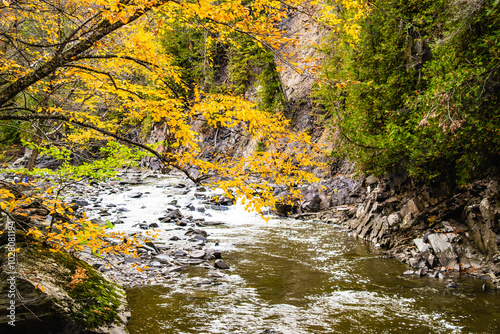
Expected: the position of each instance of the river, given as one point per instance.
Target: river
(288, 276)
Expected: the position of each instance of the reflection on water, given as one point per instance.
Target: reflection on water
(307, 277)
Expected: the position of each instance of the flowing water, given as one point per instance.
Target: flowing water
(290, 276)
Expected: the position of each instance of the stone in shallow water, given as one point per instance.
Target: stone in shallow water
(135, 195)
(215, 274)
(190, 261)
(206, 281)
(221, 264)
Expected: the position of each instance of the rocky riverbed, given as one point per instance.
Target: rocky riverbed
(149, 208)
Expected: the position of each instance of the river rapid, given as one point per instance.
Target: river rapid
(289, 276)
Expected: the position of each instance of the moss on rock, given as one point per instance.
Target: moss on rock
(74, 297)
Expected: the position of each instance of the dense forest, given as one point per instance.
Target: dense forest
(423, 89)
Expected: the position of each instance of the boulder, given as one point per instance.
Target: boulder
(220, 264)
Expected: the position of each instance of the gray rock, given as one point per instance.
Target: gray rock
(151, 249)
(408, 272)
(422, 247)
(152, 245)
(443, 249)
(452, 285)
(81, 202)
(163, 258)
(155, 263)
(219, 208)
(215, 274)
(372, 179)
(135, 195)
(190, 261)
(200, 254)
(221, 264)
(180, 253)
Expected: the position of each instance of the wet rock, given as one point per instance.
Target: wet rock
(182, 223)
(143, 225)
(452, 285)
(212, 223)
(81, 202)
(190, 207)
(153, 246)
(196, 231)
(180, 253)
(163, 258)
(153, 225)
(408, 272)
(174, 238)
(201, 209)
(219, 208)
(135, 195)
(422, 272)
(150, 249)
(198, 237)
(215, 274)
(205, 281)
(200, 254)
(213, 254)
(190, 261)
(171, 216)
(220, 264)
(155, 263)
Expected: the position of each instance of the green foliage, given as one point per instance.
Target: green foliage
(113, 155)
(250, 63)
(9, 134)
(420, 90)
(192, 51)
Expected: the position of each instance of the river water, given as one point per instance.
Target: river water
(288, 276)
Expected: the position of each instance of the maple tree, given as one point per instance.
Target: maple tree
(78, 72)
